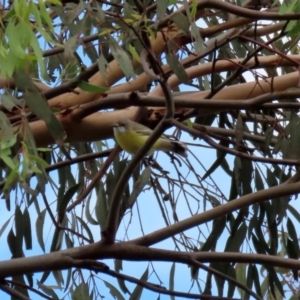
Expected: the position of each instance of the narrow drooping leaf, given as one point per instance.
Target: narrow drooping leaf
(139, 186)
(235, 241)
(121, 282)
(86, 228)
(171, 281)
(292, 253)
(63, 203)
(258, 181)
(19, 224)
(91, 88)
(39, 225)
(39, 106)
(231, 287)
(4, 226)
(137, 292)
(27, 230)
(241, 275)
(182, 22)
(177, 68)
(122, 58)
(215, 165)
(88, 214)
(47, 290)
(57, 274)
(239, 131)
(292, 243)
(102, 207)
(161, 9)
(81, 292)
(113, 291)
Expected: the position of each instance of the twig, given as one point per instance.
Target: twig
(216, 212)
(28, 288)
(55, 223)
(12, 292)
(96, 178)
(93, 265)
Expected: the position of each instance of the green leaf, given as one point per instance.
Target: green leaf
(70, 46)
(81, 292)
(38, 160)
(92, 88)
(259, 247)
(136, 294)
(272, 225)
(239, 131)
(258, 181)
(86, 228)
(223, 268)
(15, 244)
(8, 138)
(242, 176)
(57, 274)
(293, 235)
(19, 224)
(102, 207)
(177, 68)
(274, 282)
(292, 253)
(9, 101)
(39, 225)
(230, 272)
(47, 290)
(88, 215)
(63, 203)
(134, 53)
(256, 280)
(122, 58)
(182, 22)
(102, 64)
(217, 229)
(121, 282)
(2, 229)
(14, 41)
(139, 185)
(114, 291)
(294, 139)
(8, 161)
(171, 280)
(241, 275)
(56, 240)
(235, 240)
(199, 43)
(39, 106)
(27, 230)
(211, 241)
(294, 212)
(214, 166)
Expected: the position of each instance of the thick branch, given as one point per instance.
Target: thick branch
(65, 259)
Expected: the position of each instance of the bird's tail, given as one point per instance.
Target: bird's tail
(179, 148)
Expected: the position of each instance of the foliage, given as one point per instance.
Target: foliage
(82, 219)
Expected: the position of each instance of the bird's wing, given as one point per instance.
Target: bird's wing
(147, 132)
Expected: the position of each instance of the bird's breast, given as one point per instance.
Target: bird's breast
(130, 141)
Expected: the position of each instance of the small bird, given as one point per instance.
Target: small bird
(131, 136)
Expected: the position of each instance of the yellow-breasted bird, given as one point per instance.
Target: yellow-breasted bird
(131, 136)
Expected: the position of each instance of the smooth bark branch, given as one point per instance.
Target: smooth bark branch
(66, 259)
